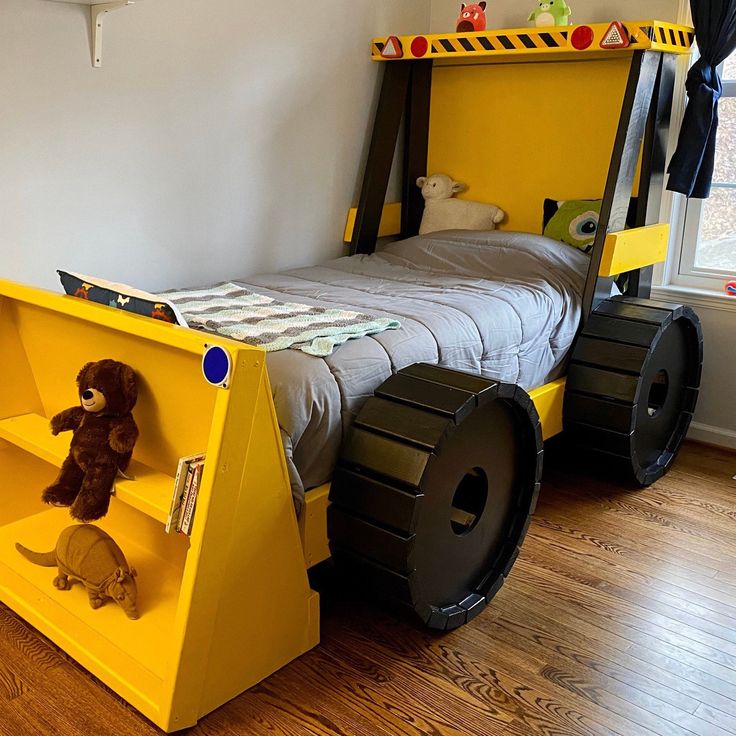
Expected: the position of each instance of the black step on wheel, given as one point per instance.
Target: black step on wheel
(633, 384)
(434, 490)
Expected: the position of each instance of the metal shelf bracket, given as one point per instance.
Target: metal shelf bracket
(97, 14)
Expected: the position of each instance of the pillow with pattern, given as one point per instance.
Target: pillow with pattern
(120, 296)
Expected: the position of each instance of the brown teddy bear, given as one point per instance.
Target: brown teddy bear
(104, 436)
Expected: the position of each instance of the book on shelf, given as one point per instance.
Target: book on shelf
(180, 488)
(186, 513)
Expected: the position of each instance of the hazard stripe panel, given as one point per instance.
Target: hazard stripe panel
(643, 35)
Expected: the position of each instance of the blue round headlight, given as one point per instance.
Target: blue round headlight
(216, 365)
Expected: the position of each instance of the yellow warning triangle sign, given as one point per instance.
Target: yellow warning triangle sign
(616, 37)
(392, 49)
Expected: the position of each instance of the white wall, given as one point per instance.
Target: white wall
(514, 13)
(221, 137)
(715, 418)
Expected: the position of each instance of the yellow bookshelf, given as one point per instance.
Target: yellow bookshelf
(220, 610)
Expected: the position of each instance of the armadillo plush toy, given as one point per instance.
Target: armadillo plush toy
(88, 554)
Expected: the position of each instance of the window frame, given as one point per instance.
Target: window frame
(678, 278)
(688, 272)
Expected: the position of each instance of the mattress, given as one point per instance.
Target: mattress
(505, 305)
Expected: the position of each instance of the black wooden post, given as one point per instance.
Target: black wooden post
(654, 159)
(416, 145)
(389, 113)
(620, 182)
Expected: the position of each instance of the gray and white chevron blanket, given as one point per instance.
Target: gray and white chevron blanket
(232, 311)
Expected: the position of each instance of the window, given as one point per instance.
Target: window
(708, 253)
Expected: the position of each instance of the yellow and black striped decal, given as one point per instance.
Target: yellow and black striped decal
(670, 37)
(655, 35)
(512, 41)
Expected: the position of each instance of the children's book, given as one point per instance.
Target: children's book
(190, 503)
(180, 489)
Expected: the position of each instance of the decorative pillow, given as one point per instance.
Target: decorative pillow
(573, 221)
(120, 296)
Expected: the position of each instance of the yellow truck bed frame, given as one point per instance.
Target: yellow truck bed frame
(232, 604)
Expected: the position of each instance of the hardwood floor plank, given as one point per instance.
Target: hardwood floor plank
(512, 682)
(712, 715)
(11, 686)
(643, 522)
(666, 674)
(17, 636)
(608, 614)
(631, 568)
(715, 594)
(607, 574)
(570, 654)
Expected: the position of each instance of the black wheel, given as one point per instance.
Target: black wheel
(434, 490)
(633, 384)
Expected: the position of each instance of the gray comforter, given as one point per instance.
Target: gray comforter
(506, 305)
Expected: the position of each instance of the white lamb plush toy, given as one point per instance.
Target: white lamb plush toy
(443, 212)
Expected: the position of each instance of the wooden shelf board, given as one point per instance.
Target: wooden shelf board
(106, 636)
(150, 492)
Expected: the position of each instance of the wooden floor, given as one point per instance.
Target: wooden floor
(619, 618)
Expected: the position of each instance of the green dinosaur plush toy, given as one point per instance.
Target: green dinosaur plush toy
(551, 13)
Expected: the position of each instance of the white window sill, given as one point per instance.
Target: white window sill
(695, 297)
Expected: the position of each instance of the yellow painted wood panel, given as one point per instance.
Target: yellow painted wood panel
(18, 393)
(149, 491)
(635, 248)
(26, 497)
(548, 400)
(273, 602)
(246, 606)
(519, 133)
(390, 221)
(132, 657)
(313, 525)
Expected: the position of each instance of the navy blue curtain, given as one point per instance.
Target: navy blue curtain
(691, 168)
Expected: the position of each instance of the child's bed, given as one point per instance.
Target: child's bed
(505, 305)
(440, 472)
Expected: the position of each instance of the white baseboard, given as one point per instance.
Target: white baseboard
(712, 435)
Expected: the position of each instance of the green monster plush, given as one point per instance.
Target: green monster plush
(551, 13)
(575, 222)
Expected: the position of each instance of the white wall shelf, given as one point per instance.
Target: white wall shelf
(97, 11)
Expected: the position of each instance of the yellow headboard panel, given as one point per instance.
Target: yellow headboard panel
(517, 133)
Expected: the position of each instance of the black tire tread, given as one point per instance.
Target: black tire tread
(375, 497)
(604, 381)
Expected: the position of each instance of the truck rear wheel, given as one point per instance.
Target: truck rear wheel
(633, 384)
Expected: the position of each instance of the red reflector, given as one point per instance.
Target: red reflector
(582, 37)
(419, 46)
(392, 49)
(616, 37)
